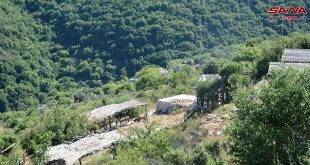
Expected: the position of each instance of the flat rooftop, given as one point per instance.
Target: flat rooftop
(278, 65)
(296, 56)
(89, 145)
(99, 114)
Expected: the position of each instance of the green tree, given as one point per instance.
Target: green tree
(65, 125)
(149, 78)
(4, 104)
(7, 138)
(213, 148)
(200, 156)
(247, 53)
(272, 124)
(36, 142)
(229, 69)
(211, 67)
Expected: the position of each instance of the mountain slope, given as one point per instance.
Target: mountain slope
(25, 69)
(138, 32)
(58, 45)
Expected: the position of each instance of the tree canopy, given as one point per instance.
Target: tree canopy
(52, 46)
(274, 115)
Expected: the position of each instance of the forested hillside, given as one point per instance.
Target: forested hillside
(59, 59)
(51, 47)
(25, 66)
(138, 32)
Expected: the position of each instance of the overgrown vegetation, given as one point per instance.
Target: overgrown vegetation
(49, 49)
(64, 120)
(275, 116)
(178, 146)
(60, 59)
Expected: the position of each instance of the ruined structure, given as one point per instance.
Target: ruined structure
(68, 154)
(171, 104)
(116, 114)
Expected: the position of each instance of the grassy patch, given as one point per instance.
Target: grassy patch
(224, 108)
(178, 111)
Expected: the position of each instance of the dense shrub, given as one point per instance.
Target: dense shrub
(275, 116)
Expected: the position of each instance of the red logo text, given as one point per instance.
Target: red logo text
(290, 10)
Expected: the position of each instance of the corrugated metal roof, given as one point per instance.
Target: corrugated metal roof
(278, 65)
(296, 55)
(292, 58)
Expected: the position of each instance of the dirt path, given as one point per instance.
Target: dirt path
(162, 121)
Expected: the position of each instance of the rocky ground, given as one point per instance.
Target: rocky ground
(215, 122)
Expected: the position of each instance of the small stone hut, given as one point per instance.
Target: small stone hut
(171, 104)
